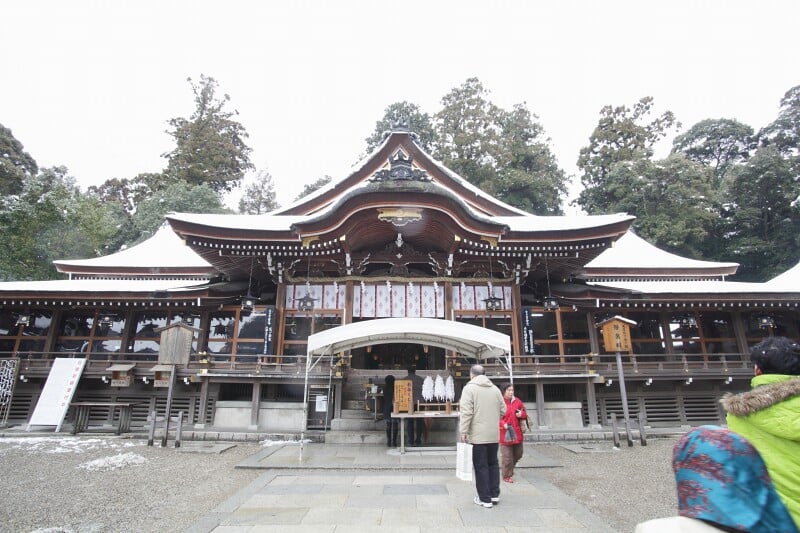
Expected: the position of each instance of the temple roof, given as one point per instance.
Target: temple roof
(788, 281)
(631, 257)
(162, 255)
(400, 194)
(97, 286)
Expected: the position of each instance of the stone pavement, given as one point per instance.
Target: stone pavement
(369, 488)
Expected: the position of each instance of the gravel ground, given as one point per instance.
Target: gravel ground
(92, 484)
(624, 486)
(85, 484)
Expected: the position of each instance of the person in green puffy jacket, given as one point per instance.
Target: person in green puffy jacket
(768, 415)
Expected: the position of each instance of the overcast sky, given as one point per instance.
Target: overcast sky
(90, 85)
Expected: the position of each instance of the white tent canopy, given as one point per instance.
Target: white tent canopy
(468, 340)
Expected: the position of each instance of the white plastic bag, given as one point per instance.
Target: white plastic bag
(464, 461)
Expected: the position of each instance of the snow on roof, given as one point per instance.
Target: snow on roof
(334, 182)
(690, 287)
(631, 251)
(559, 223)
(363, 162)
(102, 285)
(265, 222)
(467, 185)
(163, 249)
(277, 222)
(788, 281)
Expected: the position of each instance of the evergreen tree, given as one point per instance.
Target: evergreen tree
(502, 152)
(209, 146)
(763, 218)
(673, 201)
(784, 132)
(178, 197)
(716, 143)
(259, 196)
(620, 135)
(311, 187)
(407, 115)
(50, 219)
(16, 164)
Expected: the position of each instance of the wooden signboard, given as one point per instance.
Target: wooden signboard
(162, 375)
(403, 396)
(617, 334)
(175, 344)
(121, 379)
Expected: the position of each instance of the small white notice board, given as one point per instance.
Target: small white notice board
(57, 393)
(321, 404)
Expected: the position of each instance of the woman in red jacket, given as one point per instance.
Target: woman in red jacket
(511, 449)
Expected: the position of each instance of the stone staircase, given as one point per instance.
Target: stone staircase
(358, 423)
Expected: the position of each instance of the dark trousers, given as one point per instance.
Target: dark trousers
(414, 428)
(391, 432)
(487, 471)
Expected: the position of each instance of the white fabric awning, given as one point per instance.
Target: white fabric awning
(468, 340)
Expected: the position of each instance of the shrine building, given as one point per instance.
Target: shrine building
(296, 314)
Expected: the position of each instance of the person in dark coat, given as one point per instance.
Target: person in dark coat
(388, 407)
(414, 426)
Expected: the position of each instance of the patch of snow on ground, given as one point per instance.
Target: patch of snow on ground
(64, 444)
(114, 462)
(268, 442)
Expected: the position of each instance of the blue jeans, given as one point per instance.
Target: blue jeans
(487, 471)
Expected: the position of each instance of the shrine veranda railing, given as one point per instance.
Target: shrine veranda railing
(38, 363)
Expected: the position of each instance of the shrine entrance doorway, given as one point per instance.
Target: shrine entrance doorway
(398, 356)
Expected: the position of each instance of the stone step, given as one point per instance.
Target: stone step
(354, 404)
(435, 438)
(362, 414)
(356, 424)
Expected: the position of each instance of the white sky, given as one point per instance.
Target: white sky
(90, 85)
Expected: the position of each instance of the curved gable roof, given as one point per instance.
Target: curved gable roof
(162, 255)
(632, 257)
(377, 160)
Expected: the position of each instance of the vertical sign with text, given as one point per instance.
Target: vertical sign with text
(528, 347)
(269, 329)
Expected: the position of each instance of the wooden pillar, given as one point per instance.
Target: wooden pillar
(129, 331)
(52, 333)
(540, 404)
(516, 321)
(591, 404)
(254, 405)
(448, 301)
(337, 394)
(594, 340)
(280, 322)
(741, 334)
(349, 297)
(203, 402)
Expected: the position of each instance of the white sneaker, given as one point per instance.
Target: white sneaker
(482, 504)
(496, 500)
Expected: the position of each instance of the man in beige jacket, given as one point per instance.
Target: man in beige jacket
(481, 407)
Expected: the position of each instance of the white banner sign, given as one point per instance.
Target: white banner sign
(321, 404)
(57, 393)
